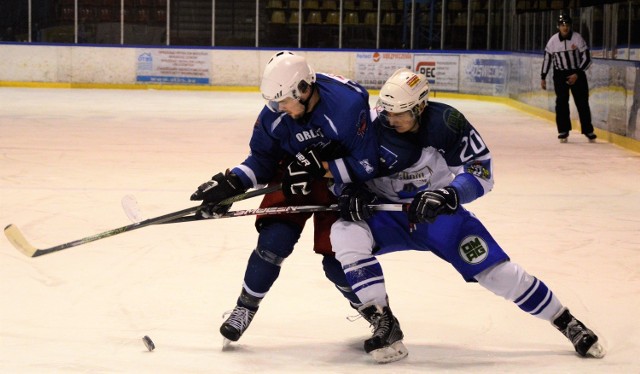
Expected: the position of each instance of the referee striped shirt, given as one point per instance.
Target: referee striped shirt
(568, 55)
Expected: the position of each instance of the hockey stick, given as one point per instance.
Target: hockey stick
(18, 240)
(131, 208)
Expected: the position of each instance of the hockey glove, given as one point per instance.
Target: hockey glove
(311, 161)
(296, 180)
(329, 150)
(354, 203)
(427, 205)
(214, 191)
(301, 172)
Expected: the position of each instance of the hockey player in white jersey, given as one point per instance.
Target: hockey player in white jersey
(434, 159)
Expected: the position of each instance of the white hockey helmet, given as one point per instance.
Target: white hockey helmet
(405, 90)
(286, 75)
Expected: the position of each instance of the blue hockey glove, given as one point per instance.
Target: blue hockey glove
(354, 203)
(428, 205)
(212, 192)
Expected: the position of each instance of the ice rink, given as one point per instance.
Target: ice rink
(568, 213)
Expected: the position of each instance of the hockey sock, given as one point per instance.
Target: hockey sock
(333, 272)
(367, 281)
(260, 273)
(275, 244)
(512, 282)
(249, 301)
(539, 301)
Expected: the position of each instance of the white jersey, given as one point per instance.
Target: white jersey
(445, 151)
(430, 172)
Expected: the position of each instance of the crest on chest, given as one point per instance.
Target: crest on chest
(310, 134)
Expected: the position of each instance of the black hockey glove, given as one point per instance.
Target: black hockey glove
(296, 180)
(427, 205)
(329, 150)
(301, 172)
(354, 203)
(212, 192)
(311, 161)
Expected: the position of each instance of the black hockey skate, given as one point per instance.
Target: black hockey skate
(237, 322)
(592, 137)
(584, 340)
(366, 313)
(385, 345)
(563, 137)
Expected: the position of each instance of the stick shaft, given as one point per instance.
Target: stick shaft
(281, 210)
(18, 240)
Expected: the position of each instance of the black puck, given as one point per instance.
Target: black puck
(148, 343)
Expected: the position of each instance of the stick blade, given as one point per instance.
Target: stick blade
(131, 209)
(18, 240)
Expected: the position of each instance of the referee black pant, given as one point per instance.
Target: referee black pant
(580, 92)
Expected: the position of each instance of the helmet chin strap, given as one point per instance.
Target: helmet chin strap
(417, 113)
(306, 102)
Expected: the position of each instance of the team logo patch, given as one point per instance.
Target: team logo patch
(411, 82)
(367, 166)
(362, 123)
(478, 170)
(454, 120)
(473, 250)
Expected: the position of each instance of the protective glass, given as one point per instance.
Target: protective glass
(273, 106)
(278, 106)
(387, 118)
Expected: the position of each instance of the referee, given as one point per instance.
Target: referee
(569, 54)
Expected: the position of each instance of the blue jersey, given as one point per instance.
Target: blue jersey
(342, 115)
(446, 150)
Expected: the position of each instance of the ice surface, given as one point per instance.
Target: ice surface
(568, 213)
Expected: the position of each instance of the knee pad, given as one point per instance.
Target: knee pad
(270, 257)
(351, 241)
(276, 241)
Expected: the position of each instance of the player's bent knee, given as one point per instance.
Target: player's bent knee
(351, 240)
(271, 257)
(277, 240)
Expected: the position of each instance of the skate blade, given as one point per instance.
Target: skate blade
(597, 350)
(226, 344)
(394, 352)
(565, 140)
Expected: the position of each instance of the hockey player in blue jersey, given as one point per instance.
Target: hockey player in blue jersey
(434, 159)
(313, 126)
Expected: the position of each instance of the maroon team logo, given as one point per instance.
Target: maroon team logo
(362, 123)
